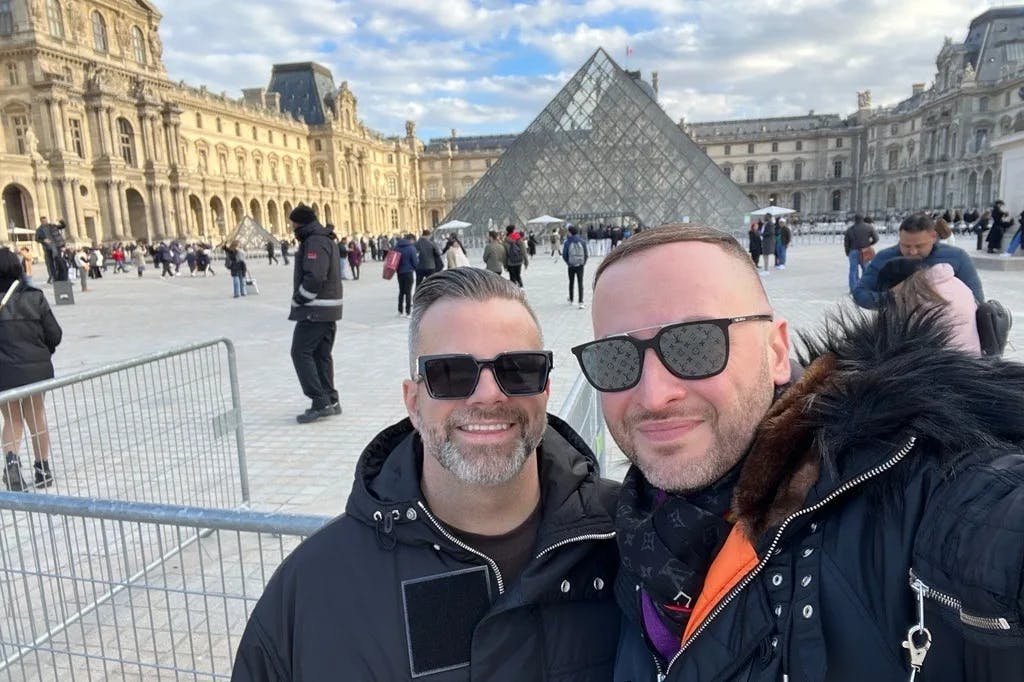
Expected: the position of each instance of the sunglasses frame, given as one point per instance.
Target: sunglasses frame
(480, 365)
(653, 343)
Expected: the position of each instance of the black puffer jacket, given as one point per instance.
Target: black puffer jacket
(29, 334)
(892, 460)
(336, 609)
(316, 290)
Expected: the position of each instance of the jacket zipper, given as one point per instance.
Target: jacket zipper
(578, 538)
(951, 602)
(754, 572)
(440, 529)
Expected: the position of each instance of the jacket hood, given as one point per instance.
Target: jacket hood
(314, 228)
(404, 242)
(872, 382)
(387, 480)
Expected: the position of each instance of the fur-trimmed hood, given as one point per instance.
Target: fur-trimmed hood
(871, 382)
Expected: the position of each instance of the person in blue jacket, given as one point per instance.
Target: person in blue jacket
(917, 240)
(406, 272)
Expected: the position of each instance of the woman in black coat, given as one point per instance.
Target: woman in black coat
(29, 334)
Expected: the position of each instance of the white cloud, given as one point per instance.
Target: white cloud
(490, 66)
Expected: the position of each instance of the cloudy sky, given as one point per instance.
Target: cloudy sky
(485, 66)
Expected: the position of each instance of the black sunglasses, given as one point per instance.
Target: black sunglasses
(689, 350)
(455, 376)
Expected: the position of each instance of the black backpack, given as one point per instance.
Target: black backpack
(994, 323)
(515, 253)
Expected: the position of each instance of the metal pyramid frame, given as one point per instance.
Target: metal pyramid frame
(252, 236)
(604, 151)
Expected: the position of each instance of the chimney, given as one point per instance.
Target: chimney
(654, 82)
(917, 88)
(455, 133)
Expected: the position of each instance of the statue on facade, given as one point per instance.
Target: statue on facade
(969, 75)
(31, 142)
(155, 44)
(864, 100)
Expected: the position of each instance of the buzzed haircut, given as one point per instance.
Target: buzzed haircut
(671, 234)
(918, 222)
(460, 284)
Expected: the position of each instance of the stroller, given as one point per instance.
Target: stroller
(250, 283)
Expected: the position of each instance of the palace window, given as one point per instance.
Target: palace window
(799, 145)
(138, 45)
(126, 136)
(255, 135)
(258, 165)
(839, 143)
(433, 192)
(750, 148)
(750, 174)
(894, 129)
(837, 200)
(6, 18)
(199, 120)
(983, 104)
(222, 159)
(77, 142)
(238, 129)
(894, 159)
(99, 33)
(240, 160)
(12, 73)
(775, 146)
(55, 19)
(728, 149)
(220, 125)
(773, 171)
(204, 161)
(394, 219)
(798, 170)
(392, 185)
(837, 168)
(20, 126)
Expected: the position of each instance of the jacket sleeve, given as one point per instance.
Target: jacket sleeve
(565, 251)
(438, 260)
(966, 273)
(315, 266)
(864, 294)
(52, 333)
(256, 660)
(846, 242)
(874, 236)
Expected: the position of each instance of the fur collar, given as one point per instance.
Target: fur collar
(871, 381)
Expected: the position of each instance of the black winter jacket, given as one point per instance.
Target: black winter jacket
(430, 255)
(859, 236)
(336, 608)
(893, 467)
(316, 291)
(29, 334)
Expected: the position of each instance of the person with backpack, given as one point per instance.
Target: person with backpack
(515, 255)
(574, 253)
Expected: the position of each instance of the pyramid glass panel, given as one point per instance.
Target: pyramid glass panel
(603, 150)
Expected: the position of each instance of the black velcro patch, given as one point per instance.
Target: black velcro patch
(441, 612)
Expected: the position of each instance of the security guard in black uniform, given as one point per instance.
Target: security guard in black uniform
(316, 309)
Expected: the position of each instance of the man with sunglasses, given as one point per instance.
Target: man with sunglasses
(837, 528)
(477, 541)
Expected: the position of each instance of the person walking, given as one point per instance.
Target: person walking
(316, 309)
(574, 253)
(430, 260)
(355, 257)
(515, 254)
(454, 252)
(408, 268)
(139, 258)
(29, 335)
(858, 243)
(754, 243)
(234, 263)
(494, 253)
(553, 240)
(783, 237)
(271, 252)
(284, 251)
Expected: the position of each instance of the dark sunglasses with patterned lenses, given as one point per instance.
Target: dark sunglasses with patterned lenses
(689, 350)
(455, 376)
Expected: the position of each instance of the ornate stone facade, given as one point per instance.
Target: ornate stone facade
(451, 165)
(94, 131)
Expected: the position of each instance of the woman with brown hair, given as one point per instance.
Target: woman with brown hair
(29, 334)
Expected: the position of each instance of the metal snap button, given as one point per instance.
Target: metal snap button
(808, 611)
(805, 581)
(566, 587)
(410, 514)
(598, 584)
(777, 579)
(778, 610)
(808, 552)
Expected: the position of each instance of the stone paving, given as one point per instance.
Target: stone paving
(309, 468)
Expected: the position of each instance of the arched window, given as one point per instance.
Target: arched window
(837, 200)
(126, 138)
(138, 45)
(55, 18)
(99, 33)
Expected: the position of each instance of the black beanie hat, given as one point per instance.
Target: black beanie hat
(302, 215)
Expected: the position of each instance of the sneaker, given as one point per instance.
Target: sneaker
(781, 267)
(313, 414)
(582, 306)
(43, 475)
(12, 474)
(335, 408)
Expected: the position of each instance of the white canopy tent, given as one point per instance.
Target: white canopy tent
(773, 210)
(20, 230)
(544, 220)
(453, 225)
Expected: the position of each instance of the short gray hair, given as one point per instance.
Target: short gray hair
(466, 283)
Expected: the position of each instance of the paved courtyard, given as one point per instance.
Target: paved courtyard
(309, 468)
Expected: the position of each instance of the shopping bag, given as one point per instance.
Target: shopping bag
(391, 263)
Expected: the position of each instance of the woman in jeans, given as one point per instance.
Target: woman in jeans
(234, 261)
(29, 334)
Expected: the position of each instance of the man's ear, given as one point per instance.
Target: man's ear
(778, 353)
(410, 396)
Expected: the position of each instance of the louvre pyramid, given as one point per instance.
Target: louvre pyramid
(252, 236)
(603, 150)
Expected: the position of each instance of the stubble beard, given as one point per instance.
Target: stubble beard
(733, 433)
(483, 465)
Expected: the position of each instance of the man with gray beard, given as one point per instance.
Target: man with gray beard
(477, 541)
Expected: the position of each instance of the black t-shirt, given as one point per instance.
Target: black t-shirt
(511, 550)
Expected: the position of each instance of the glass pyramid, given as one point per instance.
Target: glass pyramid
(604, 151)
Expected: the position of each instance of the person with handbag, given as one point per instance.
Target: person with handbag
(29, 334)
(858, 243)
(408, 262)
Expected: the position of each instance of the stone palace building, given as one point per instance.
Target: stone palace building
(95, 131)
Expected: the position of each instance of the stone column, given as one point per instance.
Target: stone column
(125, 214)
(113, 225)
(156, 203)
(70, 210)
(55, 132)
(65, 126)
(166, 211)
(115, 149)
(79, 208)
(52, 207)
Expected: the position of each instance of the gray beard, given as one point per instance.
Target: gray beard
(488, 468)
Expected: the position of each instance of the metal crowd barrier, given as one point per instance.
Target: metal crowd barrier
(103, 590)
(163, 428)
(581, 409)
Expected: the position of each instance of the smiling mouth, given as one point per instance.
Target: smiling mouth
(485, 428)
